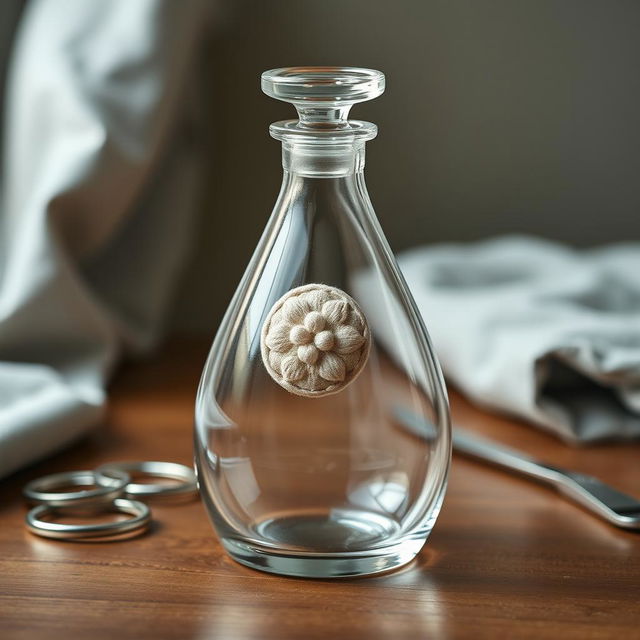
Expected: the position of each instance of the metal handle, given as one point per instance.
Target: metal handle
(608, 503)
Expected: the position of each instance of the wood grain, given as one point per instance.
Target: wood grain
(506, 559)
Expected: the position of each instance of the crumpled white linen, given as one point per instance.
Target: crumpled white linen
(538, 330)
(99, 186)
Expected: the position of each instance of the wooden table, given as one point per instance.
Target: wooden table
(507, 559)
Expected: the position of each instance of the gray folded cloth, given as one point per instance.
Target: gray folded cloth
(99, 185)
(538, 330)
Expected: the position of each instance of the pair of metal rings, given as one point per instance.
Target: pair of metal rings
(111, 491)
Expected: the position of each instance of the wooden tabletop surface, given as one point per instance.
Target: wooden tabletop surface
(507, 559)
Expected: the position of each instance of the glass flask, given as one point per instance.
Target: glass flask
(304, 465)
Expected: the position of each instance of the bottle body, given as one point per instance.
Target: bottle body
(325, 485)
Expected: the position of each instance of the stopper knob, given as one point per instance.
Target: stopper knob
(323, 95)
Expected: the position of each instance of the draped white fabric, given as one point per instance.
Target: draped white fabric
(99, 183)
(538, 330)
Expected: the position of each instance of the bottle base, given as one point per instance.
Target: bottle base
(347, 544)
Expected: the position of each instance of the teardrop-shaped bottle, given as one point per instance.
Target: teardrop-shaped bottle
(304, 461)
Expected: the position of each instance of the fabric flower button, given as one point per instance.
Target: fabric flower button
(315, 340)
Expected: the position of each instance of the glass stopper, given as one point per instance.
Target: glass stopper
(323, 95)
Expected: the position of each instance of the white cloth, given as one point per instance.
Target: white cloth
(99, 175)
(537, 330)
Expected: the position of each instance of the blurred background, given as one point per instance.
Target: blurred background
(500, 116)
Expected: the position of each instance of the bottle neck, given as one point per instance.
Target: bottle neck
(323, 161)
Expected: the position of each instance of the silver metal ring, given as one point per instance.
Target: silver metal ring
(184, 475)
(108, 487)
(140, 512)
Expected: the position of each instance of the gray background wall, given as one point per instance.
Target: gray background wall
(500, 116)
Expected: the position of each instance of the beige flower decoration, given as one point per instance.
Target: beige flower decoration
(315, 340)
